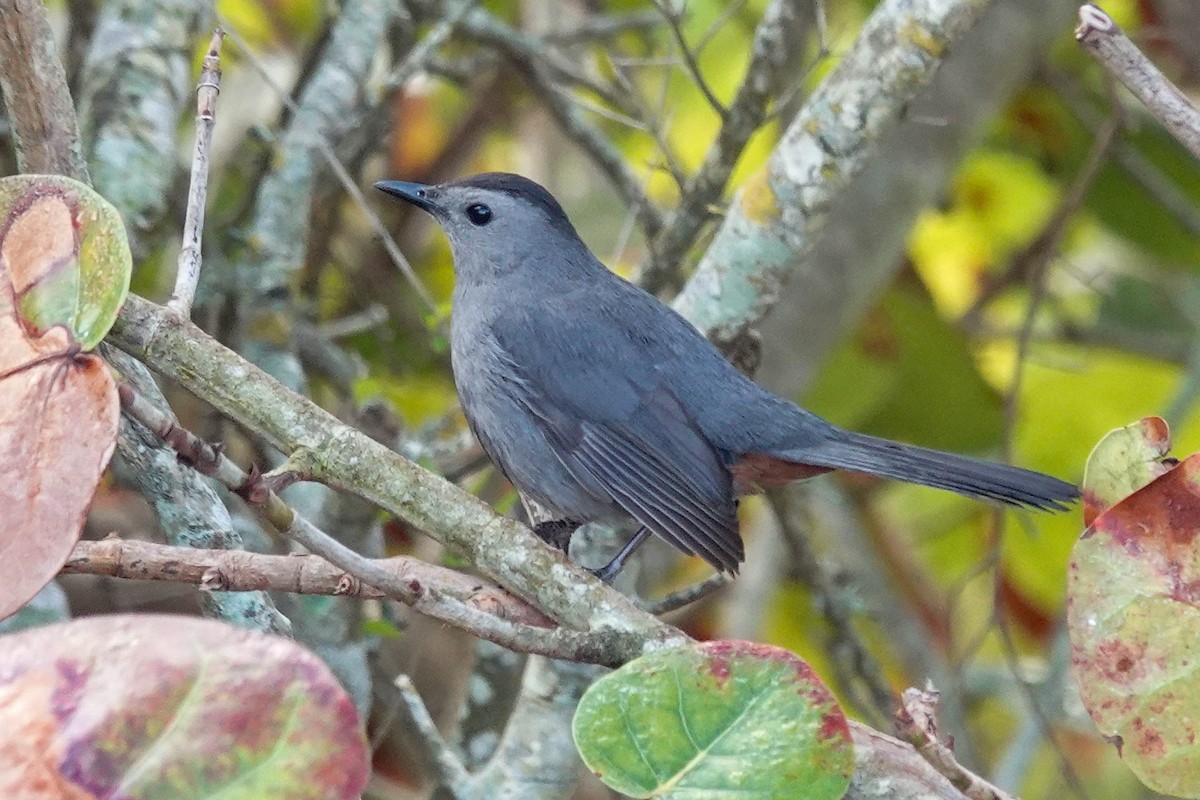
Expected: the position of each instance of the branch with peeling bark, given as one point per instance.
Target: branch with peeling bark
(243, 571)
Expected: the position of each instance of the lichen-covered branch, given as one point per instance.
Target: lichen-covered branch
(325, 111)
(35, 93)
(773, 219)
(136, 79)
(775, 38)
(325, 449)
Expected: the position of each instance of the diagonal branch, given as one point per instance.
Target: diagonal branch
(771, 224)
(777, 34)
(1104, 39)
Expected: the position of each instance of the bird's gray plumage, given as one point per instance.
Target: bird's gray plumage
(601, 403)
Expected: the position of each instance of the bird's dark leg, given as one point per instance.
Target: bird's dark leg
(610, 570)
(557, 532)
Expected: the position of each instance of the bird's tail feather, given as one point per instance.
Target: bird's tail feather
(967, 476)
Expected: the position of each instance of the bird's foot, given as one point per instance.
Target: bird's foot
(612, 568)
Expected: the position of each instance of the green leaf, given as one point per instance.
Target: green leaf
(1124, 461)
(1133, 589)
(66, 255)
(156, 706)
(717, 717)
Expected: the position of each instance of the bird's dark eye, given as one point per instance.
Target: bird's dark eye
(479, 214)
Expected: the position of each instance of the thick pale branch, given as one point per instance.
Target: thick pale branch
(771, 224)
(344, 458)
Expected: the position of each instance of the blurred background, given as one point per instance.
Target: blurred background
(1016, 272)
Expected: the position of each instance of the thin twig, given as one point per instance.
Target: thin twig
(605, 26)
(526, 54)
(687, 595)
(772, 41)
(298, 573)
(1109, 45)
(1038, 253)
(1036, 259)
(1142, 170)
(916, 723)
(675, 23)
(187, 271)
(857, 668)
(451, 773)
(419, 56)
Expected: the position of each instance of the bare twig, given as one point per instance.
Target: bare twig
(773, 40)
(451, 773)
(187, 274)
(419, 56)
(857, 670)
(1142, 170)
(525, 54)
(1034, 257)
(605, 26)
(244, 571)
(916, 723)
(687, 595)
(675, 23)
(1109, 45)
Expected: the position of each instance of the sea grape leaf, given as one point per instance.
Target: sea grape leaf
(1124, 461)
(1133, 589)
(153, 706)
(65, 255)
(716, 718)
(64, 272)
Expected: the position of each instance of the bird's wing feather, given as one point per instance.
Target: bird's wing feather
(616, 423)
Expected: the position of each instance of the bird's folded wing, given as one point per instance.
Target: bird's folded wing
(619, 428)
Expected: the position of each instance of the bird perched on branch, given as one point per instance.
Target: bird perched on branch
(600, 403)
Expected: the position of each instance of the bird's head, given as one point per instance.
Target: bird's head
(498, 223)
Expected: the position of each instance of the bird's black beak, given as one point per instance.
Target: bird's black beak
(415, 193)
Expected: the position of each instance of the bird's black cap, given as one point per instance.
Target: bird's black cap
(516, 186)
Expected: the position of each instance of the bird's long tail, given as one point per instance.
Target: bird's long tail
(967, 476)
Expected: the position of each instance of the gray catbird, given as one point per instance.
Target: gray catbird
(599, 402)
